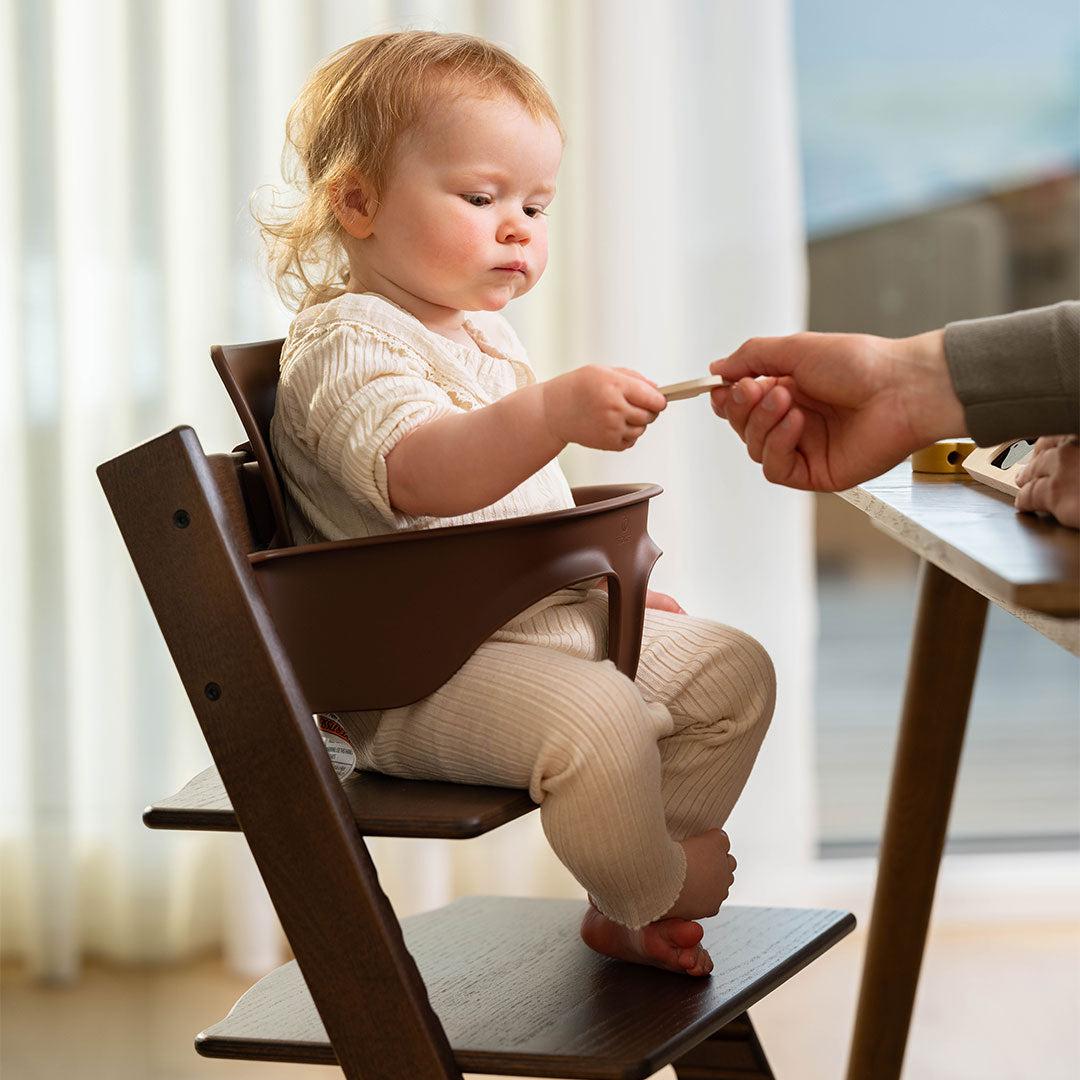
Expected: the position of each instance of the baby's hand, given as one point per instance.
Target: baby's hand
(600, 407)
(660, 601)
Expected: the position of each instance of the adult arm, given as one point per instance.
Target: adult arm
(1018, 375)
(835, 409)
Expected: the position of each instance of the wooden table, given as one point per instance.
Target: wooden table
(974, 548)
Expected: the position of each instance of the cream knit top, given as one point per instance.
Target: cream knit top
(358, 374)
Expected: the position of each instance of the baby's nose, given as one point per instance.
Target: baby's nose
(515, 231)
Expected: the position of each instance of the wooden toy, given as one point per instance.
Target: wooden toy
(946, 456)
(996, 466)
(681, 390)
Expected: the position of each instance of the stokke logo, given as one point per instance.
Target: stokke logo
(623, 535)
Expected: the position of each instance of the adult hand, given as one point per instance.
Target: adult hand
(837, 409)
(1050, 481)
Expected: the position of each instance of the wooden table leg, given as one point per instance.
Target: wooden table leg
(944, 656)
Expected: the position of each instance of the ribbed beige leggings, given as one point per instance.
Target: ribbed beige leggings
(621, 769)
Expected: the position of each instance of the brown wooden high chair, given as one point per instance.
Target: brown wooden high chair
(264, 634)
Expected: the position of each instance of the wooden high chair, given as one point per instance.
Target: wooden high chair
(264, 634)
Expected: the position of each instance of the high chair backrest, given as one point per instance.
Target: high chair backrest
(250, 375)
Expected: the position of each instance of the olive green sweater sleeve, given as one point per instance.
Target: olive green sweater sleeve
(1018, 375)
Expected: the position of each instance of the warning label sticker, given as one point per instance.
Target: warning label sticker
(341, 752)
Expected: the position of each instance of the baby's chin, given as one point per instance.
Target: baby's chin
(495, 299)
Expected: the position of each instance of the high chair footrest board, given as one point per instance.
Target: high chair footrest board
(381, 805)
(519, 993)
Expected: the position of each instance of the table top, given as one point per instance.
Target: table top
(1025, 564)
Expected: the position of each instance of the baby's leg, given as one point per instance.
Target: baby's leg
(578, 735)
(718, 684)
(720, 688)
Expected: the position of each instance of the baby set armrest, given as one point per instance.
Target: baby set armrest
(382, 621)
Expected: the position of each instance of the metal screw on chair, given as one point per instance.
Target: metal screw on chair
(212, 691)
(181, 519)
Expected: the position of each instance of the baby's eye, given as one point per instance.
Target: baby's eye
(535, 211)
(477, 199)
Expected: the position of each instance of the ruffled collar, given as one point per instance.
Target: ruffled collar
(406, 318)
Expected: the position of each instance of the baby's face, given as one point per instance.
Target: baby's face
(461, 223)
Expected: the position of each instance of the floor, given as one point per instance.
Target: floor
(998, 1003)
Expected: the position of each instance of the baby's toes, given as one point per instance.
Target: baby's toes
(659, 948)
(695, 961)
(681, 933)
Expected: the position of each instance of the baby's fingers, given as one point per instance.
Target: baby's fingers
(637, 375)
(639, 391)
(636, 417)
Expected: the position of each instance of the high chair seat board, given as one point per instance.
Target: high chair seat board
(381, 806)
(519, 994)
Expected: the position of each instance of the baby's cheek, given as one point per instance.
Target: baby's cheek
(539, 245)
(474, 245)
(460, 246)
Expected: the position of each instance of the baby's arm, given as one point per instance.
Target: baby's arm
(459, 463)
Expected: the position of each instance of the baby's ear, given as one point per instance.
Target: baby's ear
(354, 204)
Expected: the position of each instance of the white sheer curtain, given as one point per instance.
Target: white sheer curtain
(131, 135)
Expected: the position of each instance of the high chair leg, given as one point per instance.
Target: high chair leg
(258, 725)
(732, 1053)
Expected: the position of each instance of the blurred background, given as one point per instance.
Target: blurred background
(733, 167)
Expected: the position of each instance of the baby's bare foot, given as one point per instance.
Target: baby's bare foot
(710, 873)
(672, 944)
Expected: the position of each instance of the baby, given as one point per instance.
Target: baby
(427, 163)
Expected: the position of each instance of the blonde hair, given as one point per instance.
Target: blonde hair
(348, 122)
